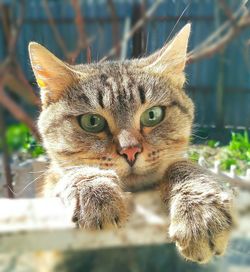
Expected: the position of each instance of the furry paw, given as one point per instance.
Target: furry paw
(95, 197)
(100, 204)
(201, 223)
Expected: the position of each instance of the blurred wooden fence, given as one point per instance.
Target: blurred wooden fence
(219, 86)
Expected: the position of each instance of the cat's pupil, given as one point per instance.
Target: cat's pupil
(151, 115)
(92, 120)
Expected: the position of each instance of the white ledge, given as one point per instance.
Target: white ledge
(43, 224)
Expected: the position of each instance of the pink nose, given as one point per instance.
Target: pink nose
(130, 153)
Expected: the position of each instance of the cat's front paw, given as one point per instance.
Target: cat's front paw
(96, 198)
(101, 204)
(201, 224)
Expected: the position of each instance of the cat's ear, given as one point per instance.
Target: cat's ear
(53, 76)
(172, 57)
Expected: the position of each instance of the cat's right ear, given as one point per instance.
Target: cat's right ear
(53, 76)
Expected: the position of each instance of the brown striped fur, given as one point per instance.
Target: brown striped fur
(87, 170)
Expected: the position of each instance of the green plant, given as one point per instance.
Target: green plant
(237, 152)
(213, 143)
(31, 147)
(240, 143)
(19, 139)
(193, 155)
(16, 136)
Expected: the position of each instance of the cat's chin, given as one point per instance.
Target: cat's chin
(135, 181)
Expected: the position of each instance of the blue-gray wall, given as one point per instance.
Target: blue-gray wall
(220, 86)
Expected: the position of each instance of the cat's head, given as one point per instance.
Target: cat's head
(131, 116)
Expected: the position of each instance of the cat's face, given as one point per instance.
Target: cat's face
(132, 116)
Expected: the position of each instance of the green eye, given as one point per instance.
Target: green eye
(92, 122)
(152, 116)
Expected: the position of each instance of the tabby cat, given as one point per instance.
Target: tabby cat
(115, 126)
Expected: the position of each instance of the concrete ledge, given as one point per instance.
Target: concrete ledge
(45, 224)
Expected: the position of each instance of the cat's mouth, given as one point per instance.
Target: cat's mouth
(139, 172)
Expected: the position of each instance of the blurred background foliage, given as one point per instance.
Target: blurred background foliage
(218, 70)
(236, 152)
(20, 139)
(81, 31)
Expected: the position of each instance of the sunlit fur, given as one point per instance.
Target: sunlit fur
(119, 84)
(87, 169)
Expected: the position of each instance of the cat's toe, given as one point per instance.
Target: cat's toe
(199, 248)
(197, 251)
(219, 242)
(203, 249)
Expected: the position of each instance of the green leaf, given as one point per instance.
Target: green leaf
(19, 139)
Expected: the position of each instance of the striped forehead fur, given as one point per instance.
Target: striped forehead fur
(122, 86)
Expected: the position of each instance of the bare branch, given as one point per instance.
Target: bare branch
(5, 21)
(227, 10)
(148, 14)
(20, 74)
(115, 27)
(89, 55)
(17, 112)
(56, 33)
(83, 41)
(15, 30)
(218, 32)
(5, 156)
(221, 37)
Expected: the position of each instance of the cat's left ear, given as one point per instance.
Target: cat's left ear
(171, 58)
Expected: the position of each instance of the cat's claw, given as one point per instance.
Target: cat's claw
(203, 229)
